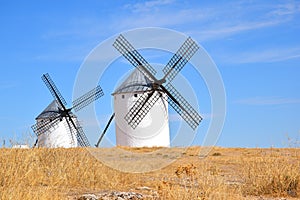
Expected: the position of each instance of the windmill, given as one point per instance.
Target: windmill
(154, 90)
(57, 126)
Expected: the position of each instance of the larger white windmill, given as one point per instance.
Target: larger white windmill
(140, 102)
(153, 130)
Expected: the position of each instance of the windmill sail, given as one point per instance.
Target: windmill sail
(173, 67)
(87, 98)
(56, 113)
(179, 59)
(134, 57)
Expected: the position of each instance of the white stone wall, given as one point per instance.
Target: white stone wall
(153, 130)
(59, 135)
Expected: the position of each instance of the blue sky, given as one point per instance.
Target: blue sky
(255, 45)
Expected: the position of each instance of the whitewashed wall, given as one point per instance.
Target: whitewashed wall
(152, 131)
(58, 136)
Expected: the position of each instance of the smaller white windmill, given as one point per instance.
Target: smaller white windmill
(57, 126)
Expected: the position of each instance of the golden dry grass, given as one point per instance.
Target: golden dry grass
(226, 173)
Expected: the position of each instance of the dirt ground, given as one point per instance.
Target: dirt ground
(150, 173)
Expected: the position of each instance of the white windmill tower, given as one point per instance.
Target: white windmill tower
(141, 101)
(59, 133)
(153, 130)
(57, 126)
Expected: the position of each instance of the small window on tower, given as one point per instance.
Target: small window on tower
(123, 96)
(135, 95)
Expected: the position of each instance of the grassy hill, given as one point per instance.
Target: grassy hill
(156, 173)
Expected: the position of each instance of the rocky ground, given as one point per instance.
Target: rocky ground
(116, 195)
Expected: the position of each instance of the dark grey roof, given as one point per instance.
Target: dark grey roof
(51, 111)
(135, 82)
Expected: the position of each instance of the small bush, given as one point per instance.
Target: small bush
(216, 154)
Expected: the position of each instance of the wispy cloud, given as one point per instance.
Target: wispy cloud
(213, 22)
(265, 56)
(266, 15)
(147, 5)
(230, 29)
(203, 21)
(7, 85)
(166, 18)
(261, 101)
(287, 8)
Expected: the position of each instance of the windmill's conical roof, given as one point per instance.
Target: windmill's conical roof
(51, 111)
(135, 82)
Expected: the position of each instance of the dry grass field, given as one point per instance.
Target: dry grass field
(226, 173)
